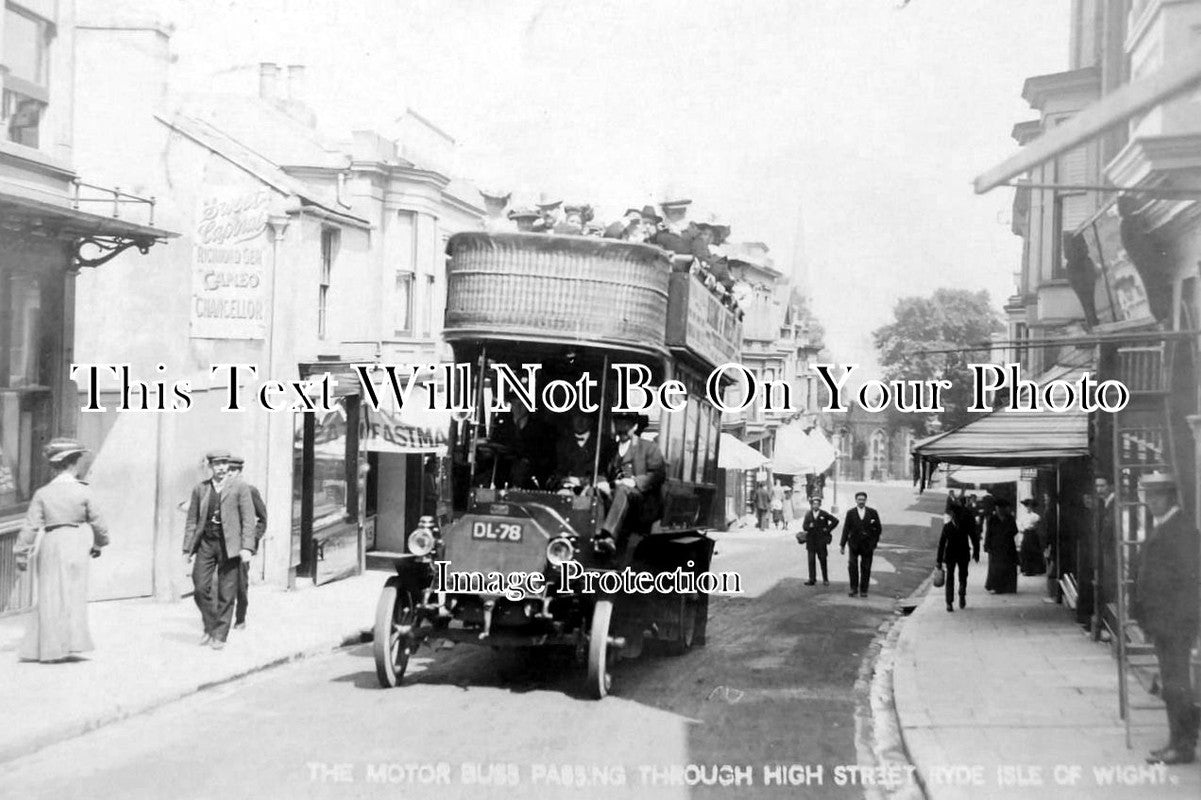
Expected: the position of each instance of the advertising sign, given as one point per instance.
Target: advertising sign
(413, 429)
(229, 273)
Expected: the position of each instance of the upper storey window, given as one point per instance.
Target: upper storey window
(23, 67)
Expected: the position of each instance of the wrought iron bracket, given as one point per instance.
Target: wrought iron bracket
(109, 247)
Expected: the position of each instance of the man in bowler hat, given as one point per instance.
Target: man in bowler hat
(219, 535)
(861, 530)
(818, 526)
(1165, 605)
(236, 463)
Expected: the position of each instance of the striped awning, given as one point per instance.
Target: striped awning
(1012, 438)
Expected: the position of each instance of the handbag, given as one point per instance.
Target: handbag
(940, 577)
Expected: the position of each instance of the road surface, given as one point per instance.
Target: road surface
(769, 700)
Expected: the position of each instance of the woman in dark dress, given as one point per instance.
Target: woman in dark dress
(1030, 554)
(1000, 534)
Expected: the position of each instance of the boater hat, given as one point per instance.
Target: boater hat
(523, 213)
(58, 449)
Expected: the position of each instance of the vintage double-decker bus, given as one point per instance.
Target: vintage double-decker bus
(575, 307)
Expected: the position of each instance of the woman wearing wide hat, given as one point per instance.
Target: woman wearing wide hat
(71, 530)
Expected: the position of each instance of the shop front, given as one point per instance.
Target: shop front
(1051, 453)
(42, 248)
(364, 472)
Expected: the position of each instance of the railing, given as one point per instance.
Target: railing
(16, 587)
(91, 193)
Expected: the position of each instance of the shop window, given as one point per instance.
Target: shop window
(25, 397)
(330, 490)
(25, 47)
(680, 421)
(403, 304)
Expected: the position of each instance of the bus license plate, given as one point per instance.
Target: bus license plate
(498, 531)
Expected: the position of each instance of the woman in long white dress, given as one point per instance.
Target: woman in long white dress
(71, 532)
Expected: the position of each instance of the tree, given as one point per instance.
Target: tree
(953, 320)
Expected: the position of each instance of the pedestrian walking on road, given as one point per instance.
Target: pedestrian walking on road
(818, 527)
(219, 535)
(62, 529)
(236, 463)
(959, 542)
(1165, 605)
(777, 505)
(762, 504)
(1000, 533)
(861, 531)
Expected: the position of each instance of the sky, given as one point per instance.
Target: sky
(842, 133)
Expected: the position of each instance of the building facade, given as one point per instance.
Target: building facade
(58, 225)
(1112, 243)
(300, 256)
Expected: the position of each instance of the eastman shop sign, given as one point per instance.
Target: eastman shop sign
(229, 292)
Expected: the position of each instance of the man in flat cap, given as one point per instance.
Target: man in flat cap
(236, 463)
(219, 535)
(1165, 605)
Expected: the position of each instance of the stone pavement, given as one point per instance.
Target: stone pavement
(147, 655)
(1009, 698)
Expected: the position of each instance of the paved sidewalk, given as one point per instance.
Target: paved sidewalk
(147, 654)
(1008, 698)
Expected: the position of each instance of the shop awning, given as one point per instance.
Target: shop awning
(984, 476)
(802, 453)
(1011, 438)
(96, 238)
(734, 454)
(1110, 111)
(412, 429)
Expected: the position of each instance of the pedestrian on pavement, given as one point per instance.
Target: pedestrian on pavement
(219, 534)
(1050, 540)
(999, 532)
(818, 526)
(1165, 605)
(1106, 541)
(1030, 554)
(861, 530)
(236, 463)
(62, 529)
(777, 505)
(959, 542)
(762, 504)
